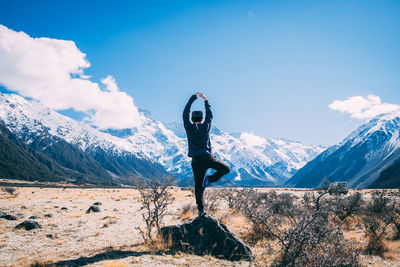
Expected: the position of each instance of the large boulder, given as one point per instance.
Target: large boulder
(205, 235)
(93, 208)
(6, 216)
(29, 225)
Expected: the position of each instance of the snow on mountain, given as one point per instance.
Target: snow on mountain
(254, 160)
(28, 119)
(359, 158)
(270, 163)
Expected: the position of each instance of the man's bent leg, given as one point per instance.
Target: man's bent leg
(199, 171)
(221, 168)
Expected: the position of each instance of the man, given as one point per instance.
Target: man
(200, 150)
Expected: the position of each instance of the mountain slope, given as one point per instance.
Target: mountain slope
(72, 144)
(358, 159)
(18, 161)
(388, 178)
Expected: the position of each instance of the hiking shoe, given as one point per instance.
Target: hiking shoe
(202, 213)
(206, 182)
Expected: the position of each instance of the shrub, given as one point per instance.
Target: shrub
(380, 214)
(380, 203)
(375, 230)
(155, 199)
(346, 206)
(211, 199)
(314, 241)
(302, 228)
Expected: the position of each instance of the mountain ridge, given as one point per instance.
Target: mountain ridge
(358, 159)
(156, 148)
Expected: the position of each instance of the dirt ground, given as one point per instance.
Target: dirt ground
(70, 235)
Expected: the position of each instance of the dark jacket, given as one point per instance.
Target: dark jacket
(197, 134)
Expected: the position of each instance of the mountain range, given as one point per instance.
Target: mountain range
(40, 144)
(368, 157)
(82, 153)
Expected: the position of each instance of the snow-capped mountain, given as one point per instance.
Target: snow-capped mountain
(73, 144)
(264, 162)
(359, 159)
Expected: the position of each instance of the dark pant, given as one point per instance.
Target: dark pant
(200, 165)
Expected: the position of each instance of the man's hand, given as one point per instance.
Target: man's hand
(201, 95)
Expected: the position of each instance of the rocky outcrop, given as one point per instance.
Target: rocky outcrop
(93, 208)
(29, 225)
(205, 235)
(6, 216)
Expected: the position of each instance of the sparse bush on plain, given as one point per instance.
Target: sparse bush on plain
(155, 199)
(379, 215)
(375, 230)
(314, 241)
(212, 200)
(302, 228)
(380, 203)
(344, 207)
(230, 196)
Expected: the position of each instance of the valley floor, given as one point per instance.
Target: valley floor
(72, 236)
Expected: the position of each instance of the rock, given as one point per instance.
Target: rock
(115, 209)
(48, 215)
(98, 203)
(64, 208)
(2, 214)
(33, 217)
(94, 208)
(205, 235)
(9, 217)
(29, 225)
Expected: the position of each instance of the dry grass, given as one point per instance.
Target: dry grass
(114, 264)
(76, 234)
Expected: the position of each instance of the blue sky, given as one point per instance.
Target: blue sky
(268, 67)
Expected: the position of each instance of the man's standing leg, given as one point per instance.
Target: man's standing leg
(221, 168)
(199, 171)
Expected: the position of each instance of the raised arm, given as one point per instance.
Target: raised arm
(186, 110)
(209, 115)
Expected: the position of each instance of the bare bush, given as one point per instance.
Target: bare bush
(379, 215)
(302, 228)
(314, 241)
(9, 190)
(380, 203)
(396, 220)
(346, 206)
(375, 230)
(212, 199)
(155, 199)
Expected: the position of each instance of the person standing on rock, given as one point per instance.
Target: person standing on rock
(200, 150)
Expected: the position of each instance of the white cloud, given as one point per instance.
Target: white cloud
(110, 83)
(252, 140)
(364, 108)
(52, 71)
